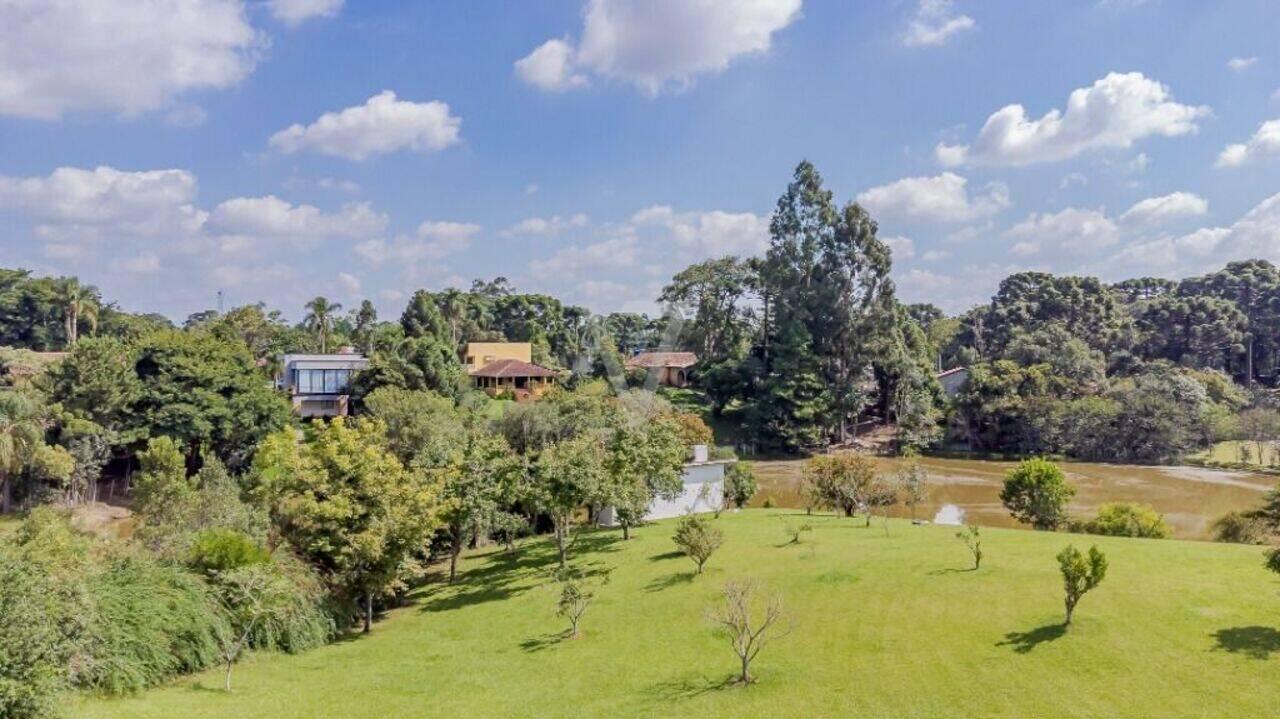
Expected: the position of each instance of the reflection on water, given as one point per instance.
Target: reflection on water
(949, 514)
(1190, 498)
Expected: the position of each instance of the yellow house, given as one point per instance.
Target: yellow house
(480, 354)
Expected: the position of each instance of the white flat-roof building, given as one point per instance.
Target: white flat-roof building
(702, 490)
(319, 385)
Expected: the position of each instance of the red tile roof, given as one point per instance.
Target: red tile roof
(663, 359)
(506, 368)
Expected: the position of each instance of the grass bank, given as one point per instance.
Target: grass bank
(885, 625)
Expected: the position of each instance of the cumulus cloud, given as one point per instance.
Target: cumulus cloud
(130, 58)
(433, 241)
(295, 12)
(141, 264)
(349, 282)
(904, 248)
(382, 125)
(615, 253)
(1115, 112)
(1266, 141)
(713, 233)
(1072, 231)
(545, 226)
(943, 198)
(550, 67)
(934, 23)
(1156, 210)
(657, 45)
(1240, 64)
(271, 216)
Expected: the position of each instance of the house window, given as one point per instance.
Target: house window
(323, 381)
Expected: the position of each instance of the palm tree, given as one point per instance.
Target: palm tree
(79, 302)
(21, 432)
(453, 305)
(319, 319)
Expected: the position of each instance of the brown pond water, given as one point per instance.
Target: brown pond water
(1190, 498)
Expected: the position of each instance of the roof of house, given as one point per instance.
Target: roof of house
(505, 368)
(953, 370)
(663, 359)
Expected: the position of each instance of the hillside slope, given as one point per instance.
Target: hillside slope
(884, 626)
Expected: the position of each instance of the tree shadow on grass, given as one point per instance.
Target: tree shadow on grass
(673, 554)
(545, 641)
(1024, 642)
(950, 570)
(1255, 642)
(671, 580)
(690, 687)
(504, 575)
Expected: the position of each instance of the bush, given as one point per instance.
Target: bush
(1036, 493)
(739, 484)
(220, 550)
(1124, 519)
(1240, 528)
(698, 538)
(34, 648)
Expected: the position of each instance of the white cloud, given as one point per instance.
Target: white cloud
(903, 248)
(934, 23)
(1139, 164)
(658, 45)
(943, 198)
(383, 124)
(1072, 231)
(142, 263)
(550, 67)
(1266, 141)
(712, 234)
(545, 226)
(1240, 64)
(1114, 112)
(936, 255)
(271, 216)
(330, 183)
(617, 253)
(127, 56)
(349, 282)
(1156, 210)
(1073, 179)
(433, 241)
(295, 12)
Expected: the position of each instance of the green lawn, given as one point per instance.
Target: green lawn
(884, 626)
(1229, 452)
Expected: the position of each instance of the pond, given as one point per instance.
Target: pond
(1190, 498)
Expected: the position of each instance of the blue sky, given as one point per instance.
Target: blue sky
(168, 149)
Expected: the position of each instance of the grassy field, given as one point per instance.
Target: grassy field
(1230, 452)
(883, 626)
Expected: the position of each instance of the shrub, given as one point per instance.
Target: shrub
(221, 550)
(1125, 519)
(698, 539)
(739, 484)
(1240, 528)
(1080, 575)
(34, 647)
(1036, 493)
(149, 621)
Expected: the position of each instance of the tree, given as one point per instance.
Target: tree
(474, 490)
(740, 484)
(714, 292)
(697, 538)
(320, 318)
(1036, 493)
(748, 626)
(363, 322)
(575, 598)
(569, 474)
(645, 461)
(347, 504)
(163, 495)
(844, 482)
(250, 596)
(21, 434)
(913, 479)
(972, 538)
(1260, 425)
(1080, 576)
(79, 302)
(97, 382)
(1254, 287)
(1126, 519)
(1193, 330)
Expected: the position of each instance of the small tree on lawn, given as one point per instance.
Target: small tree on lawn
(739, 484)
(1036, 493)
(644, 461)
(796, 531)
(474, 487)
(973, 540)
(574, 600)
(250, 595)
(698, 538)
(749, 621)
(913, 480)
(839, 481)
(1079, 575)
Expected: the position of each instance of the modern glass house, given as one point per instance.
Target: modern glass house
(319, 385)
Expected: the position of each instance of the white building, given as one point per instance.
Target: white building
(319, 385)
(703, 490)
